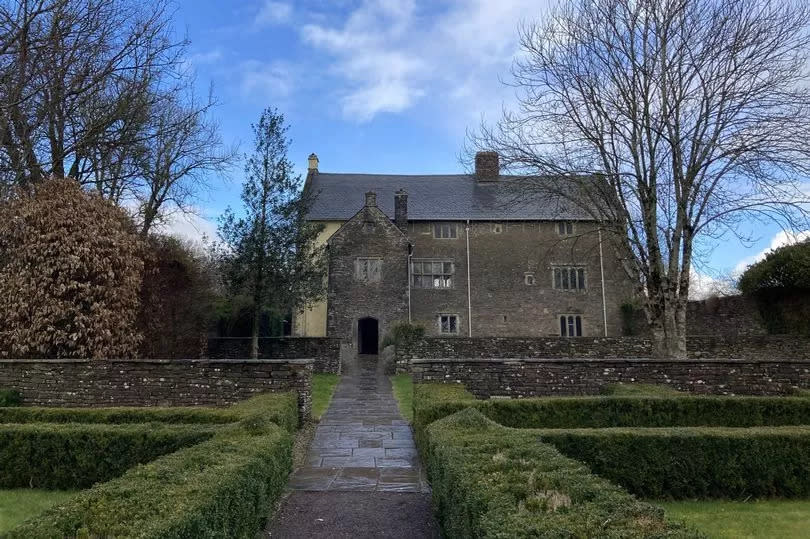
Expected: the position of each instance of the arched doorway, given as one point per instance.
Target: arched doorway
(367, 336)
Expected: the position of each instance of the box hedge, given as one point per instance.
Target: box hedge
(434, 401)
(491, 481)
(73, 456)
(279, 408)
(694, 462)
(223, 487)
(10, 397)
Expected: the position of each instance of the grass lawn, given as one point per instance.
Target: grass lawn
(20, 504)
(755, 519)
(323, 385)
(403, 392)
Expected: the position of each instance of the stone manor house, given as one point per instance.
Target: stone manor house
(462, 255)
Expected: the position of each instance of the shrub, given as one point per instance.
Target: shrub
(403, 334)
(695, 462)
(490, 481)
(220, 488)
(10, 397)
(433, 401)
(74, 456)
(70, 274)
(279, 408)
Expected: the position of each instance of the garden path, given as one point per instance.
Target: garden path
(363, 476)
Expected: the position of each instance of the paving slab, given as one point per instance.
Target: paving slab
(363, 476)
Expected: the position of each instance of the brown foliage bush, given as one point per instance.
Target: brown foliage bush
(70, 275)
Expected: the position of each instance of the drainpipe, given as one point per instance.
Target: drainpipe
(410, 256)
(469, 302)
(602, 272)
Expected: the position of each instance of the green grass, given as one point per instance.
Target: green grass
(403, 392)
(20, 504)
(644, 390)
(323, 386)
(784, 519)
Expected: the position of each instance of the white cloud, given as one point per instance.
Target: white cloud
(188, 226)
(390, 54)
(273, 13)
(263, 80)
(209, 57)
(780, 239)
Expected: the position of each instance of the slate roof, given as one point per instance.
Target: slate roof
(436, 197)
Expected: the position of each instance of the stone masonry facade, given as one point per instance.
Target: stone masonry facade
(323, 350)
(66, 382)
(517, 378)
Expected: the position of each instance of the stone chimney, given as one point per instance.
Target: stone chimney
(371, 199)
(487, 168)
(312, 163)
(401, 210)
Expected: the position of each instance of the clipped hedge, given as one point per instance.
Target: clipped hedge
(644, 390)
(491, 481)
(223, 487)
(695, 462)
(279, 408)
(73, 456)
(10, 397)
(434, 401)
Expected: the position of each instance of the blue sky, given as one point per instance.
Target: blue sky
(370, 85)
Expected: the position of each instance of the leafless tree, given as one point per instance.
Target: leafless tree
(183, 148)
(670, 122)
(97, 90)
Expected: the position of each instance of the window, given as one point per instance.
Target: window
(565, 228)
(528, 279)
(569, 278)
(570, 325)
(448, 324)
(497, 228)
(444, 231)
(368, 270)
(427, 273)
(369, 226)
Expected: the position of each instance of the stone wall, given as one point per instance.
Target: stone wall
(539, 377)
(730, 315)
(751, 347)
(325, 351)
(181, 382)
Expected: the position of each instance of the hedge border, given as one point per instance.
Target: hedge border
(492, 481)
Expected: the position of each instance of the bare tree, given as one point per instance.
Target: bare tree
(670, 122)
(183, 147)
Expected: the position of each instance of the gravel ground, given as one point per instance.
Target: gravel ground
(354, 514)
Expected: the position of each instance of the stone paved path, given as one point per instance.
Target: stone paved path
(362, 442)
(363, 477)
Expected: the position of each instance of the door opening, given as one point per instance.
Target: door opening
(367, 336)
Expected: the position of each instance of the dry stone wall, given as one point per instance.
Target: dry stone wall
(325, 351)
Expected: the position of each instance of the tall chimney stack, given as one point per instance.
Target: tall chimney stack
(401, 210)
(487, 168)
(312, 163)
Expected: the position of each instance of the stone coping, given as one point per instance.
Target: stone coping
(297, 361)
(609, 360)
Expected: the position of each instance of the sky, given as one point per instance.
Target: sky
(385, 86)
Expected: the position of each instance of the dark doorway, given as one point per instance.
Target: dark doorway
(367, 336)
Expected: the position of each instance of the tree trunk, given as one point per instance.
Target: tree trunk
(668, 331)
(254, 334)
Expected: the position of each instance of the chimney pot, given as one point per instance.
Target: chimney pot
(401, 210)
(312, 163)
(487, 167)
(371, 199)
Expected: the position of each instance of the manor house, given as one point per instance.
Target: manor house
(462, 255)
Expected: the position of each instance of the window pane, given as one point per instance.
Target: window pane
(445, 324)
(581, 275)
(448, 282)
(416, 268)
(561, 228)
(569, 228)
(451, 231)
(571, 326)
(565, 279)
(448, 267)
(437, 268)
(557, 278)
(453, 322)
(562, 326)
(579, 326)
